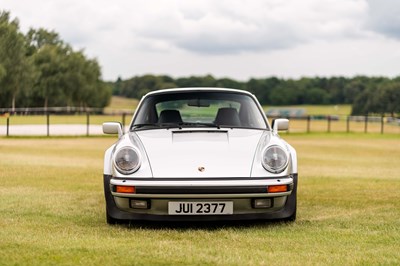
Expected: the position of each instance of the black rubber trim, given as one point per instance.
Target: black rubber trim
(200, 131)
(200, 179)
(201, 190)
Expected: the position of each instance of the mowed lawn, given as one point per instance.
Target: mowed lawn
(52, 210)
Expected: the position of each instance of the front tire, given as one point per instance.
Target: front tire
(111, 220)
(293, 202)
(110, 205)
(292, 217)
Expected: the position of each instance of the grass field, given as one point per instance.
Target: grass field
(52, 210)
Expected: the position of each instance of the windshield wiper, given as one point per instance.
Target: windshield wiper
(145, 125)
(194, 124)
(172, 125)
(157, 125)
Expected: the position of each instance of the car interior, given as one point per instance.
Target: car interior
(225, 116)
(170, 116)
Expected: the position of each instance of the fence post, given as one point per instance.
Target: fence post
(382, 123)
(48, 123)
(123, 119)
(348, 124)
(288, 118)
(329, 124)
(8, 126)
(366, 124)
(308, 123)
(87, 123)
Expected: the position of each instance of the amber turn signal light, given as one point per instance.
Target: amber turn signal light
(125, 189)
(277, 188)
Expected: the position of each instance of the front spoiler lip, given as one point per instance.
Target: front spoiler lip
(192, 188)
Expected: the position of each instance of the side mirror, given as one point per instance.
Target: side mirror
(280, 124)
(113, 128)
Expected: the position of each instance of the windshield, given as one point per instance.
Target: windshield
(207, 109)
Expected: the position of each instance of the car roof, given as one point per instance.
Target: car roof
(197, 89)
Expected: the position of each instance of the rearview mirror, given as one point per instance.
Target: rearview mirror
(198, 103)
(280, 124)
(113, 128)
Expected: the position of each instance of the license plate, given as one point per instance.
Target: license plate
(200, 208)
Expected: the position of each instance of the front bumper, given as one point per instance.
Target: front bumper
(158, 192)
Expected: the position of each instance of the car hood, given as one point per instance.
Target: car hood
(185, 153)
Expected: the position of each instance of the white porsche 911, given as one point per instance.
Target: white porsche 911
(199, 154)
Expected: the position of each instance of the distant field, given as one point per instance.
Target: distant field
(121, 104)
(301, 126)
(343, 109)
(113, 112)
(63, 119)
(52, 210)
(129, 105)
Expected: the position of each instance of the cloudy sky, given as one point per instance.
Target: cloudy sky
(226, 38)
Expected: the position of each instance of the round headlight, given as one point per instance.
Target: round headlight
(274, 159)
(127, 160)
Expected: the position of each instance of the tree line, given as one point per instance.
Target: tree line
(367, 95)
(38, 69)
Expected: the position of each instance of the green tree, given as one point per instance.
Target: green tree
(316, 96)
(260, 89)
(3, 72)
(66, 77)
(380, 100)
(286, 93)
(361, 103)
(83, 80)
(50, 61)
(196, 81)
(38, 38)
(352, 89)
(16, 71)
(117, 88)
(389, 98)
(335, 88)
(229, 83)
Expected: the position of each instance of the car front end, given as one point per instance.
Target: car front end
(200, 167)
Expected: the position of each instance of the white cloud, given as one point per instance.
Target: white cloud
(234, 38)
(384, 17)
(235, 26)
